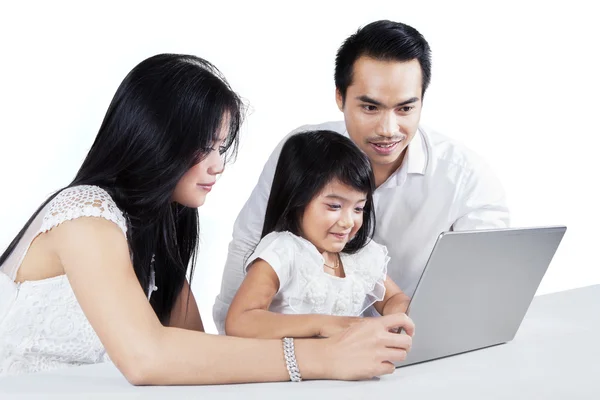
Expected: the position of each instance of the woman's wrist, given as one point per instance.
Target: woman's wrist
(312, 358)
(319, 321)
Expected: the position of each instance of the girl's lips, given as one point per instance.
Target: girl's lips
(340, 235)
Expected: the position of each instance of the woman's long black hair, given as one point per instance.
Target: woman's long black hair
(164, 118)
(309, 161)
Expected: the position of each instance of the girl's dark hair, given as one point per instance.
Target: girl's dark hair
(307, 163)
(164, 118)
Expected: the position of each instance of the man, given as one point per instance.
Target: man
(426, 183)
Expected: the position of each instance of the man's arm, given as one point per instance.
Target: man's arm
(483, 202)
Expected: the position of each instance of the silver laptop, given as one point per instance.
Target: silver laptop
(476, 289)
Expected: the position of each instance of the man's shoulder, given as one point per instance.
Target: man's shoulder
(449, 151)
(336, 126)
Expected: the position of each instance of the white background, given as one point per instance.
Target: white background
(516, 82)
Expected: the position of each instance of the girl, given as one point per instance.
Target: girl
(315, 270)
(99, 271)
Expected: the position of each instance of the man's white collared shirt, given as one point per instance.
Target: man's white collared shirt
(440, 186)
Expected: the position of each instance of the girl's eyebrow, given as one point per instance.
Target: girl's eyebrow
(341, 198)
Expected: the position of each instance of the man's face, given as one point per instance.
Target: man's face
(383, 108)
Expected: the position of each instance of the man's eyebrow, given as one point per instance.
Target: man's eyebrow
(367, 99)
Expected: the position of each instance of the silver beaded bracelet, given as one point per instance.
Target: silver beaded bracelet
(290, 359)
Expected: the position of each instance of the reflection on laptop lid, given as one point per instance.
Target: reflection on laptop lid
(477, 287)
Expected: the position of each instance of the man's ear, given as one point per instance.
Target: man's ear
(339, 100)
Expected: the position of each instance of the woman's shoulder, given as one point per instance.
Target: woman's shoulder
(82, 201)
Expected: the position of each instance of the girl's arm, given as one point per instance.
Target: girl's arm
(249, 314)
(394, 302)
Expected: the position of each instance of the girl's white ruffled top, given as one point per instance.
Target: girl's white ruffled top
(305, 288)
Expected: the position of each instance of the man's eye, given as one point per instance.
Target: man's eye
(369, 107)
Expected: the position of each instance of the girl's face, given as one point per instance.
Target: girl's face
(194, 185)
(333, 217)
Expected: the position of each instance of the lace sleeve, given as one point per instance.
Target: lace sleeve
(82, 201)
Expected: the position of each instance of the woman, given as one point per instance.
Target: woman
(99, 271)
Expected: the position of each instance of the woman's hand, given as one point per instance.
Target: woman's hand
(367, 349)
(332, 325)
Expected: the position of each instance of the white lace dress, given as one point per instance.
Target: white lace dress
(305, 288)
(42, 326)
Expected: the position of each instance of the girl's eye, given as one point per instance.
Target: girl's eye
(334, 206)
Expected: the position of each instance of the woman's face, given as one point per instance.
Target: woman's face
(333, 217)
(192, 188)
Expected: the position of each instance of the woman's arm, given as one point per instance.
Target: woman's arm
(185, 312)
(249, 314)
(95, 257)
(394, 302)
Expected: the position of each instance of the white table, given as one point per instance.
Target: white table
(555, 355)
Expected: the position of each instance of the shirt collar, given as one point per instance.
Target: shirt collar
(416, 155)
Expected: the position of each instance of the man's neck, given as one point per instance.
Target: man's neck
(383, 172)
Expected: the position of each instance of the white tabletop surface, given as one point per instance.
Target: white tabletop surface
(555, 355)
